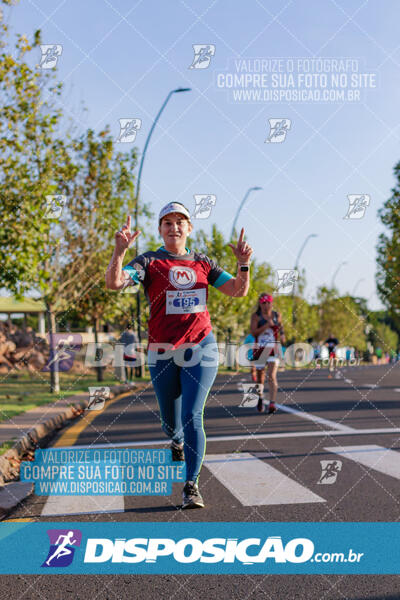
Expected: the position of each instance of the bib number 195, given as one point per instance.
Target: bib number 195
(185, 301)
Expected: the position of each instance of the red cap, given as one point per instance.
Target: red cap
(266, 298)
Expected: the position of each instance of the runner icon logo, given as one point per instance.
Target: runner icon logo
(204, 204)
(182, 278)
(330, 470)
(62, 547)
(250, 395)
(50, 55)
(278, 129)
(128, 130)
(97, 397)
(286, 281)
(202, 56)
(54, 206)
(63, 347)
(357, 206)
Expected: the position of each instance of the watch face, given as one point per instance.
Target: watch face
(244, 268)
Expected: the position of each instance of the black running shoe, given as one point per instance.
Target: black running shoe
(191, 496)
(177, 452)
(260, 404)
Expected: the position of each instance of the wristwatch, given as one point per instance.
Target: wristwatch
(243, 267)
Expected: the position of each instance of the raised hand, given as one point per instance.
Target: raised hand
(242, 250)
(124, 238)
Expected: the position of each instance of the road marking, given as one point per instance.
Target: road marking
(232, 438)
(82, 505)
(20, 520)
(255, 483)
(372, 386)
(71, 435)
(376, 457)
(314, 418)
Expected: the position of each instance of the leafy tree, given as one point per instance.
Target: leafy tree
(102, 194)
(307, 320)
(382, 336)
(231, 316)
(34, 162)
(60, 257)
(388, 253)
(341, 317)
(380, 331)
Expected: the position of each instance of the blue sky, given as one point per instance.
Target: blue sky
(122, 58)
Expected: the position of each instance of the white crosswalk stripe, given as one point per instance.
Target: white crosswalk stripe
(82, 505)
(254, 482)
(375, 457)
(311, 417)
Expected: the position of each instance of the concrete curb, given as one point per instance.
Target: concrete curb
(24, 449)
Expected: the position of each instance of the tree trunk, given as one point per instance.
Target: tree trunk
(54, 372)
(99, 369)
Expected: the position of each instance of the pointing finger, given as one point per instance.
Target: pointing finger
(128, 222)
(241, 236)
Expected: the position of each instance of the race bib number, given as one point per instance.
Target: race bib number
(185, 301)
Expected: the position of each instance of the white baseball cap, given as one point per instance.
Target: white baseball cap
(172, 207)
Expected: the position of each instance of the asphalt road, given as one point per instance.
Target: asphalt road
(352, 420)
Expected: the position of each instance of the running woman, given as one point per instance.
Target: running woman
(266, 326)
(331, 344)
(176, 281)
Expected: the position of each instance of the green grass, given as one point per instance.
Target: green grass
(6, 446)
(22, 392)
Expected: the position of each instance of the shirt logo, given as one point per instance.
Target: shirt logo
(182, 278)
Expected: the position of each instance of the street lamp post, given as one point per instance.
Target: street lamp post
(312, 235)
(138, 308)
(336, 272)
(357, 284)
(252, 189)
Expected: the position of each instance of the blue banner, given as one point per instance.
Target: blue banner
(215, 548)
(102, 472)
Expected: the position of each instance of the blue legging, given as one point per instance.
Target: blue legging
(182, 393)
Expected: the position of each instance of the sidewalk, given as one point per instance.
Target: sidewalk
(20, 425)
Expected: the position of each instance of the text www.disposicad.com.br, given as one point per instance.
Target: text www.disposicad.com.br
(60, 488)
(329, 95)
